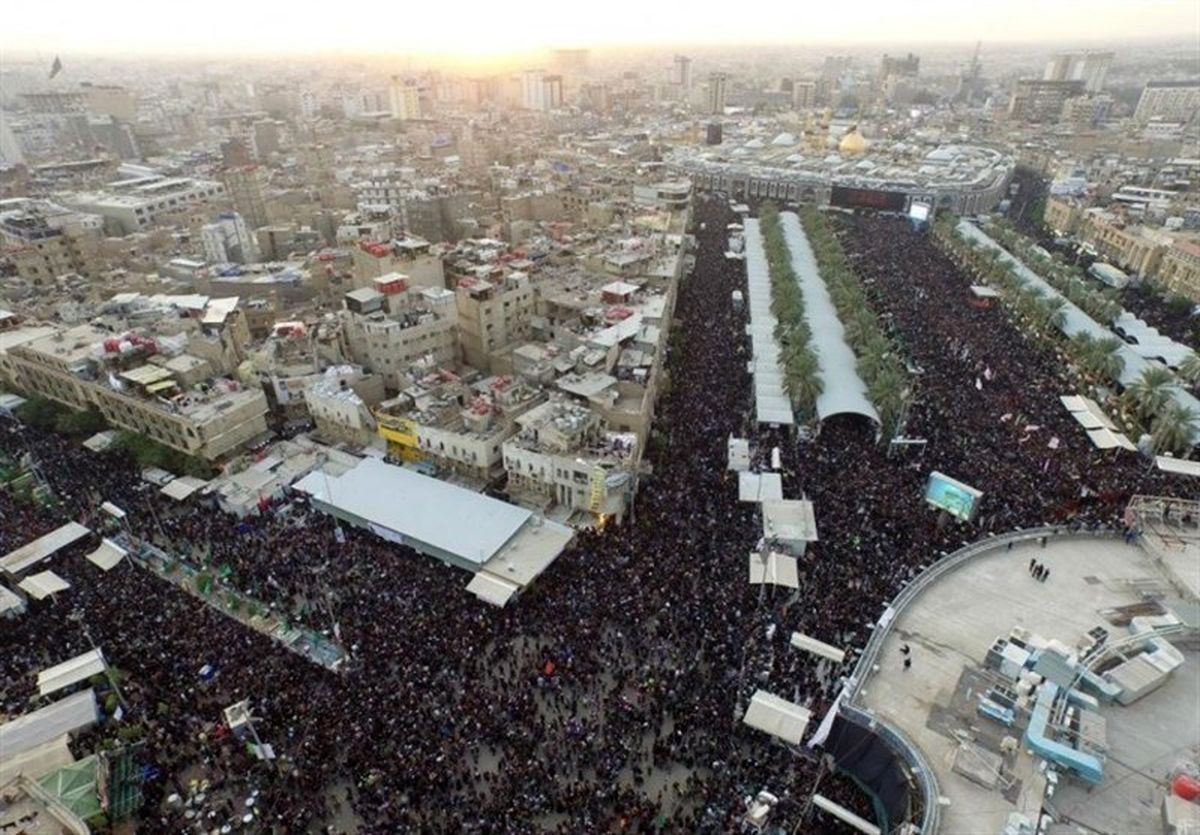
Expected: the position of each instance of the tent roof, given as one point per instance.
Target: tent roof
(775, 569)
(75, 786)
(789, 520)
(61, 717)
(80, 668)
(777, 717)
(806, 644)
(107, 555)
(492, 589)
(461, 522)
(759, 487)
(180, 488)
(43, 584)
(10, 601)
(43, 547)
(844, 392)
(1106, 439)
(1176, 465)
(771, 402)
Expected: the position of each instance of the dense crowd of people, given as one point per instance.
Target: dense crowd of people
(607, 698)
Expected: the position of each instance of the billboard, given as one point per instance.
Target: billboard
(868, 198)
(959, 500)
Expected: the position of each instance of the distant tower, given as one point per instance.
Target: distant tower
(716, 92)
(683, 72)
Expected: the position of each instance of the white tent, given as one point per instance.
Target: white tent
(112, 510)
(43, 547)
(62, 717)
(1107, 439)
(43, 584)
(861, 824)
(760, 487)
(108, 555)
(181, 488)
(806, 644)
(10, 602)
(490, 588)
(739, 454)
(777, 717)
(775, 569)
(1176, 465)
(790, 522)
(80, 668)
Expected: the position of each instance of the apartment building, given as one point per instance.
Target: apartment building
(137, 203)
(87, 366)
(493, 314)
(1179, 270)
(561, 456)
(414, 257)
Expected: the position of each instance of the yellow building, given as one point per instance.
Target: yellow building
(1179, 271)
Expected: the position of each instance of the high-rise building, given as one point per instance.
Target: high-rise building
(1035, 100)
(244, 185)
(716, 92)
(405, 98)
(228, 241)
(235, 153)
(266, 138)
(906, 67)
(10, 148)
(1089, 67)
(804, 94)
(1170, 101)
(553, 95)
(533, 90)
(682, 74)
(712, 133)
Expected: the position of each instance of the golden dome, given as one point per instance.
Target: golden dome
(853, 143)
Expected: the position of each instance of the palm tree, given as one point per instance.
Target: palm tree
(1106, 361)
(1189, 369)
(1150, 392)
(1053, 314)
(887, 392)
(1175, 430)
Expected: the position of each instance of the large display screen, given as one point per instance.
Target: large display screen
(867, 198)
(954, 497)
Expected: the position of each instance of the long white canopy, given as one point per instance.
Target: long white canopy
(77, 669)
(43, 584)
(777, 717)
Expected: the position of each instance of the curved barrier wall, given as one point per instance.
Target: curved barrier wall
(859, 714)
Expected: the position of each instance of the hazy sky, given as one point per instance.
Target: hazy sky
(495, 27)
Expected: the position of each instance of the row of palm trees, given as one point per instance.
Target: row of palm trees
(880, 361)
(801, 371)
(1146, 406)
(1101, 305)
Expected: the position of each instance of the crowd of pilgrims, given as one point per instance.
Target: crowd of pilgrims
(607, 697)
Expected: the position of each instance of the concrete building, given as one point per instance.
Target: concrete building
(245, 185)
(43, 240)
(804, 94)
(1179, 270)
(533, 90)
(86, 366)
(682, 72)
(404, 98)
(493, 315)
(337, 406)
(1089, 67)
(906, 66)
(414, 257)
(388, 332)
(1169, 101)
(562, 457)
(135, 204)
(228, 241)
(1041, 102)
(716, 92)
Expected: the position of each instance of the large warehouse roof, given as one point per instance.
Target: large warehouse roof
(469, 525)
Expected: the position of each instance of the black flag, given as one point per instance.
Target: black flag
(56, 67)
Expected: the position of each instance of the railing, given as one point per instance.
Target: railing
(862, 716)
(307, 643)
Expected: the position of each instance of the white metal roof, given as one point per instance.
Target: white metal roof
(107, 556)
(10, 601)
(807, 644)
(760, 487)
(179, 489)
(774, 569)
(62, 717)
(80, 668)
(43, 584)
(771, 402)
(777, 717)
(844, 392)
(43, 547)
(461, 522)
(789, 520)
(492, 589)
(1176, 465)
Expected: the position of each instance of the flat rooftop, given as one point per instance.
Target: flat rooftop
(950, 626)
